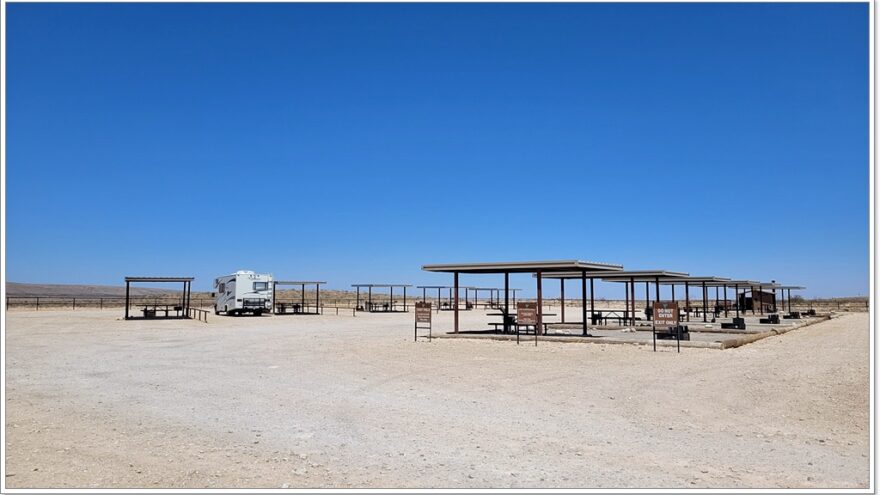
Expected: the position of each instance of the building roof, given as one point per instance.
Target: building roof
(522, 267)
(159, 279)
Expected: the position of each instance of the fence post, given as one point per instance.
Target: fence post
(38, 304)
(74, 304)
(101, 302)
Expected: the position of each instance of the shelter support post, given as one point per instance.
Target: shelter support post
(584, 301)
(540, 305)
(562, 299)
(506, 303)
(736, 298)
(705, 302)
(726, 304)
(687, 301)
(455, 302)
(127, 298)
(592, 300)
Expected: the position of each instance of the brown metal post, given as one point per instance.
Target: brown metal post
(357, 301)
(592, 300)
(760, 299)
(274, 297)
(127, 284)
(370, 298)
(647, 301)
(584, 301)
(789, 300)
(687, 301)
(455, 302)
(705, 302)
(318, 298)
(562, 299)
(506, 303)
(657, 289)
(782, 298)
(404, 299)
(726, 303)
(736, 298)
(540, 305)
(626, 302)
(631, 314)
(753, 300)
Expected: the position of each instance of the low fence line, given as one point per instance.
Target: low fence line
(198, 314)
(102, 302)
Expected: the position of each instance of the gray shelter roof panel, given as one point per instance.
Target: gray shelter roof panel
(620, 276)
(159, 279)
(707, 281)
(296, 282)
(381, 285)
(523, 266)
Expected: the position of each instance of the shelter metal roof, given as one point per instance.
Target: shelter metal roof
(522, 266)
(296, 282)
(707, 281)
(621, 276)
(381, 285)
(442, 287)
(159, 279)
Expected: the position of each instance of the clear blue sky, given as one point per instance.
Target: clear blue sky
(354, 143)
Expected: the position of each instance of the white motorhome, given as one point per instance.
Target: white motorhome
(243, 292)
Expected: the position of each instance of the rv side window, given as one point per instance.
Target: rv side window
(261, 285)
(222, 287)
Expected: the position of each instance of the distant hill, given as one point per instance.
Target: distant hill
(20, 289)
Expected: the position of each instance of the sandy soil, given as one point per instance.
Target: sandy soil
(337, 401)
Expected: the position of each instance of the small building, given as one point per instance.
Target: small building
(757, 300)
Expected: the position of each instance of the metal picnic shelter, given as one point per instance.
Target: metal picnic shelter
(538, 268)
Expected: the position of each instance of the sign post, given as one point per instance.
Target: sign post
(666, 314)
(423, 319)
(527, 315)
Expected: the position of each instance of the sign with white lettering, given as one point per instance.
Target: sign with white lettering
(666, 313)
(527, 313)
(423, 312)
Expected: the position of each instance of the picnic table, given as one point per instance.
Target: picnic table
(150, 310)
(509, 321)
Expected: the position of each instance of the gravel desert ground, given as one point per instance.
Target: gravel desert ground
(342, 401)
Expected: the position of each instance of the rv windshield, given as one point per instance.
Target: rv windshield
(261, 285)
